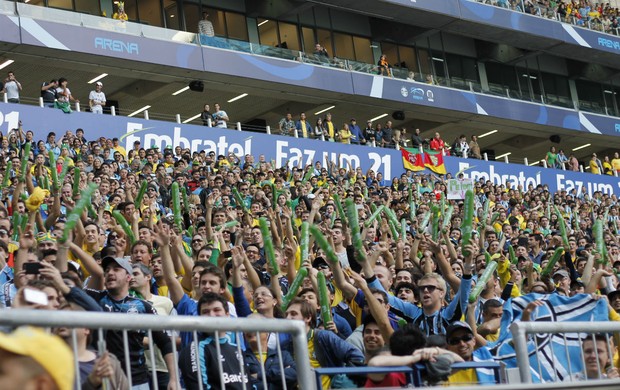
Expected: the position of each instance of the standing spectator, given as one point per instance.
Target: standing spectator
(595, 165)
(12, 87)
(463, 147)
(319, 51)
(357, 136)
(96, 99)
(345, 134)
(551, 158)
(319, 129)
(48, 93)
(439, 145)
(573, 163)
(607, 166)
(115, 298)
(286, 125)
(384, 66)
(303, 126)
(206, 115)
(474, 148)
(140, 285)
(370, 133)
(329, 126)
(205, 27)
(615, 163)
(64, 96)
(387, 135)
(220, 117)
(562, 159)
(416, 140)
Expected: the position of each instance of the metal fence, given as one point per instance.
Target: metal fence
(568, 339)
(150, 323)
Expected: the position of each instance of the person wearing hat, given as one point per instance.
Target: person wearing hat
(561, 279)
(614, 300)
(116, 299)
(461, 340)
(96, 99)
(370, 133)
(30, 358)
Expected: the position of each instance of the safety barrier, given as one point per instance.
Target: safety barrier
(567, 336)
(149, 323)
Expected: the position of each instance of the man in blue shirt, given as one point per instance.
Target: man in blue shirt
(358, 136)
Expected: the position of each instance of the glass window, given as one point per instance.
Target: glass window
(590, 95)
(464, 68)
(64, 4)
(218, 19)
(425, 62)
(192, 17)
(289, 36)
(324, 37)
(611, 99)
(407, 58)
(343, 46)
(130, 9)
(267, 32)
(86, 7)
(363, 51)
(391, 52)
(556, 89)
(236, 26)
(307, 35)
(171, 12)
(149, 12)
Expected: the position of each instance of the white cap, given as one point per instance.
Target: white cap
(99, 83)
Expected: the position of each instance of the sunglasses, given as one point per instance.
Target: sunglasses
(456, 340)
(194, 241)
(428, 288)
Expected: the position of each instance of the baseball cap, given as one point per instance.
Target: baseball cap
(123, 263)
(99, 83)
(456, 325)
(613, 294)
(562, 273)
(319, 262)
(48, 350)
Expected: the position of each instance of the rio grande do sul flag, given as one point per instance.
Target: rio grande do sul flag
(413, 160)
(434, 161)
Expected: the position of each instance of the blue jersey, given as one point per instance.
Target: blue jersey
(114, 338)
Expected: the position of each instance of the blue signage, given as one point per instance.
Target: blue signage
(117, 45)
(287, 150)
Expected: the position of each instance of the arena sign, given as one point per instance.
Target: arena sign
(286, 150)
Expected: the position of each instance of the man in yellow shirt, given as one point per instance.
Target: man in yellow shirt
(461, 341)
(595, 165)
(116, 146)
(325, 348)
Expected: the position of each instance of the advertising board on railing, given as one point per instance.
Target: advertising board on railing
(285, 150)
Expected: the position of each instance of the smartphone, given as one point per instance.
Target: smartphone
(35, 297)
(32, 268)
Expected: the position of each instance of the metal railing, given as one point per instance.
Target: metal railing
(570, 334)
(150, 323)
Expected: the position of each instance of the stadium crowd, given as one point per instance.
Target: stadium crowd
(385, 277)
(585, 13)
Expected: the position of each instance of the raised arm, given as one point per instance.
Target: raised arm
(175, 289)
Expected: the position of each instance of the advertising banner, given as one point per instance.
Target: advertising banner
(287, 150)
